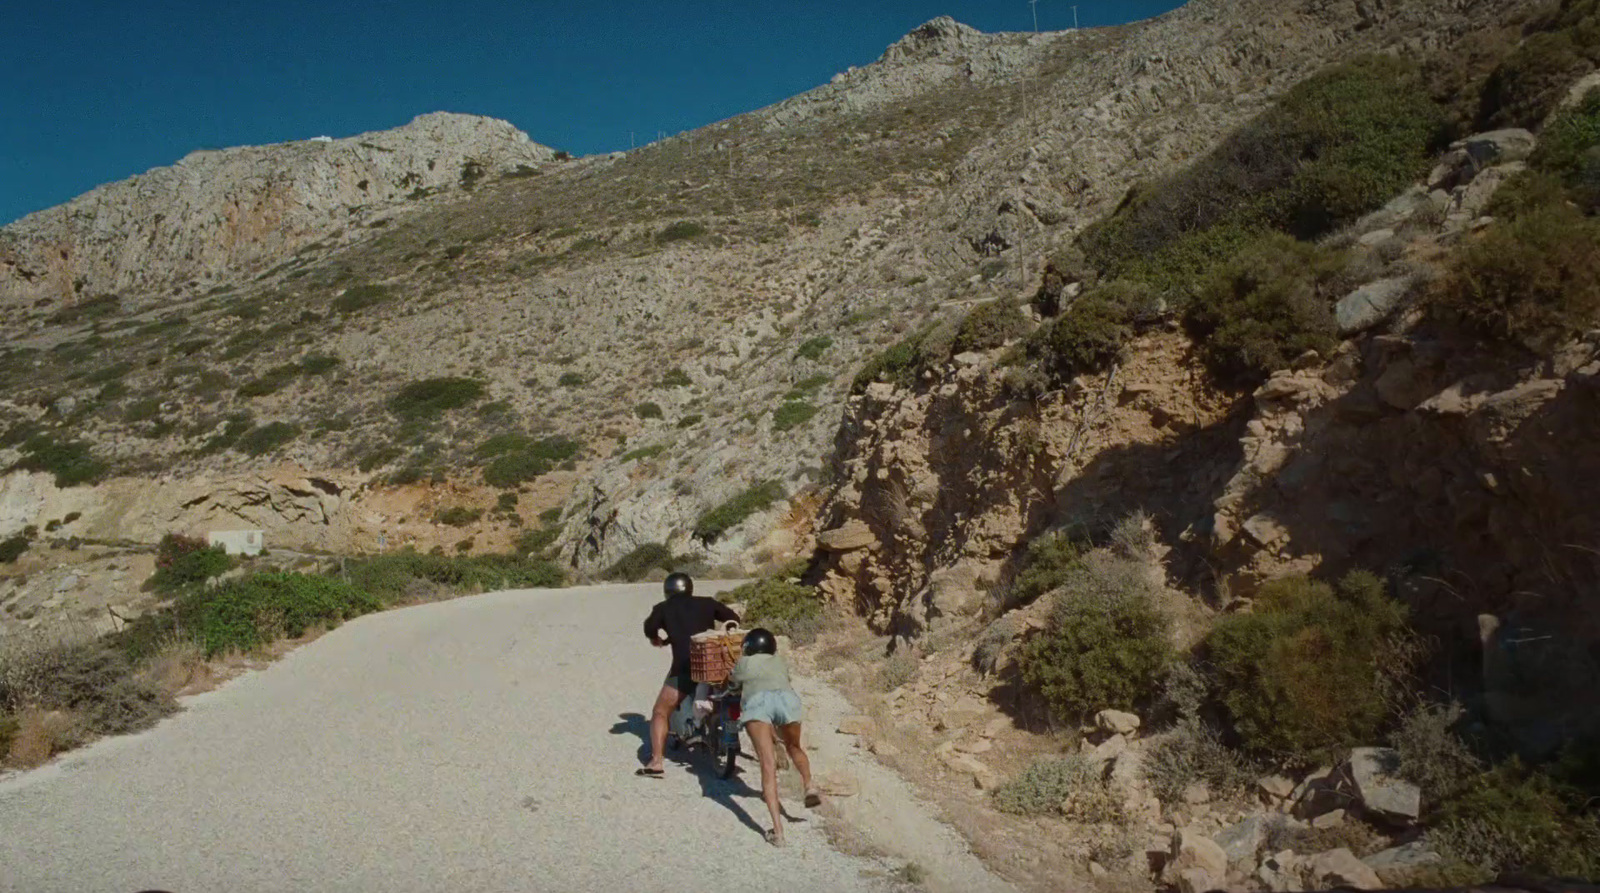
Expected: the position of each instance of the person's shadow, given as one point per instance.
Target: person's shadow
(712, 786)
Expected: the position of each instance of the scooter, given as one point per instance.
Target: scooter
(708, 721)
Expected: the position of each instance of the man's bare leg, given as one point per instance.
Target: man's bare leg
(660, 715)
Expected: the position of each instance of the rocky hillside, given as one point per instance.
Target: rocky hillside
(677, 326)
(221, 217)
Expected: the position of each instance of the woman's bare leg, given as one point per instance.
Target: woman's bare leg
(767, 752)
(797, 756)
(666, 702)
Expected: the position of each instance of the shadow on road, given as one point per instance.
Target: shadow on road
(718, 790)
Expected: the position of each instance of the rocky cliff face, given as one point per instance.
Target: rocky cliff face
(223, 216)
(763, 259)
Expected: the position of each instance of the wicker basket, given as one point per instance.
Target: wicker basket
(713, 652)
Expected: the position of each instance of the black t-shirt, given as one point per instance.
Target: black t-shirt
(680, 617)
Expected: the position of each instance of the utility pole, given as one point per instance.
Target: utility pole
(1074, 18)
(630, 141)
(1035, 5)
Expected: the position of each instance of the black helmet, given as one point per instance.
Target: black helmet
(677, 584)
(760, 641)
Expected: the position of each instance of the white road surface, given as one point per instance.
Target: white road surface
(480, 744)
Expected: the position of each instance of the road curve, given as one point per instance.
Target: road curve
(479, 744)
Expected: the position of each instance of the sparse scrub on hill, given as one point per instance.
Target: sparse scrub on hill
(813, 348)
(990, 325)
(644, 453)
(360, 297)
(1266, 307)
(1086, 338)
(718, 521)
(1108, 643)
(1050, 558)
(639, 563)
(904, 361)
(14, 547)
(689, 421)
(267, 438)
(792, 414)
(1304, 674)
(648, 410)
(570, 380)
(457, 516)
(87, 310)
(183, 561)
(270, 382)
(1532, 281)
(786, 608)
(1067, 786)
(517, 458)
(1518, 818)
(1562, 43)
(1193, 752)
(675, 378)
(1334, 147)
(680, 231)
(71, 462)
(91, 685)
(428, 399)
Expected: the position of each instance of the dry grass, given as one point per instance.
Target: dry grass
(41, 734)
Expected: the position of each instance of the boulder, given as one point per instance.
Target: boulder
(1381, 792)
(855, 725)
(1107, 750)
(1196, 861)
(1242, 841)
(1341, 868)
(1275, 787)
(1265, 530)
(1280, 872)
(1116, 722)
(1498, 146)
(848, 537)
(1370, 304)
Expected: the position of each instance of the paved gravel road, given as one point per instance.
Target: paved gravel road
(485, 743)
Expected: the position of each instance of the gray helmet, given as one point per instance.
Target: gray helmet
(760, 641)
(677, 584)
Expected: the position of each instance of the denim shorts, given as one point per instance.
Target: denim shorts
(777, 707)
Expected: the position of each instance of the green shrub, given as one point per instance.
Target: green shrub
(256, 610)
(792, 415)
(900, 668)
(1524, 88)
(1087, 338)
(550, 515)
(990, 325)
(270, 382)
(427, 399)
(535, 542)
(1068, 786)
(388, 577)
(806, 387)
(648, 410)
(570, 380)
(636, 565)
(900, 363)
(142, 410)
(788, 609)
(234, 428)
(1432, 756)
(14, 547)
(813, 348)
(379, 457)
(1107, 644)
(71, 462)
(360, 297)
(1336, 146)
(1265, 308)
(1533, 281)
(689, 421)
(1050, 559)
(319, 364)
(1513, 818)
(1301, 675)
(675, 378)
(457, 516)
(519, 458)
(718, 521)
(267, 438)
(683, 229)
(1194, 753)
(644, 453)
(183, 561)
(86, 310)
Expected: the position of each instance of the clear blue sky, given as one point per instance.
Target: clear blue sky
(97, 90)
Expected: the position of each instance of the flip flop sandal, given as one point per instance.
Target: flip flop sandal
(813, 799)
(647, 772)
(773, 838)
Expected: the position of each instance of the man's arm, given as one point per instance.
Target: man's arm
(652, 627)
(722, 612)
